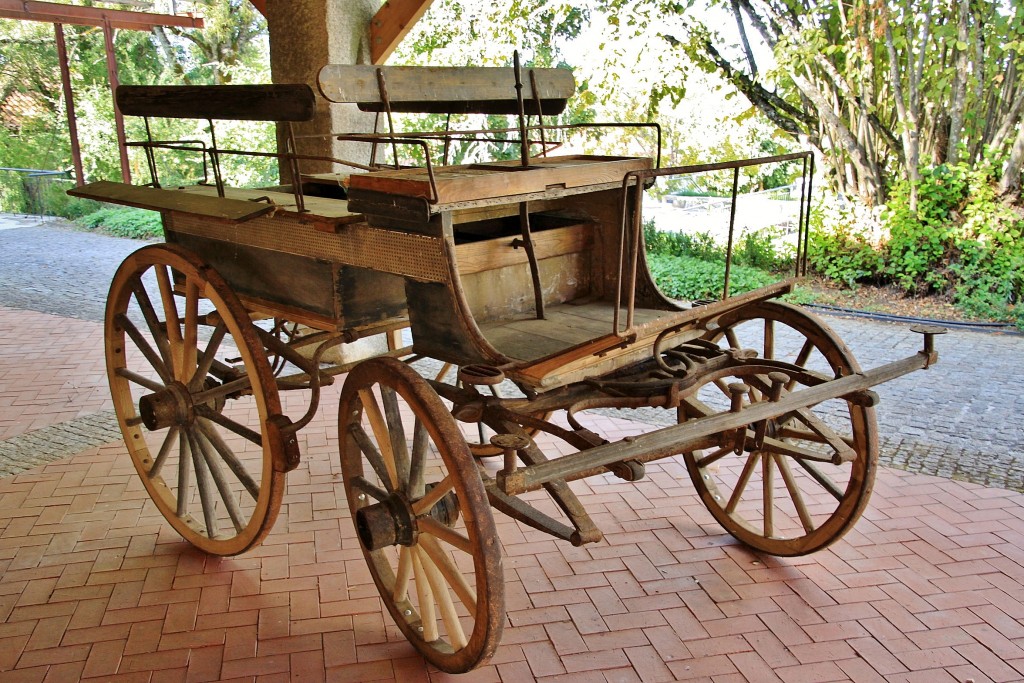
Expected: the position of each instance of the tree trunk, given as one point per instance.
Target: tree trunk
(1010, 184)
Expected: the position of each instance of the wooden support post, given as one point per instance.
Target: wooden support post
(69, 103)
(108, 40)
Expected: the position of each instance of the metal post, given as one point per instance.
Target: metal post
(69, 103)
(524, 145)
(108, 40)
(732, 224)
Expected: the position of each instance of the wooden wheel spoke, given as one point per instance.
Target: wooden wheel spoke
(396, 429)
(794, 493)
(821, 478)
(136, 378)
(142, 345)
(444, 602)
(780, 447)
(818, 426)
(769, 338)
(444, 371)
(449, 571)
(401, 590)
(204, 482)
(382, 434)
(229, 458)
(428, 615)
(221, 391)
(801, 360)
(209, 355)
(190, 340)
(448, 535)
(768, 497)
(152, 320)
(372, 455)
(229, 424)
(172, 323)
(730, 335)
(741, 484)
(184, 473)
(364, 485)
(223, 487)
(165, 450)
(424, 504)
(714, 456)
(420, 443)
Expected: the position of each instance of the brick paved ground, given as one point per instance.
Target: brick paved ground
(94, 585)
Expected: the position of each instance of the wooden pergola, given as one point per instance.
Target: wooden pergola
(108, 19)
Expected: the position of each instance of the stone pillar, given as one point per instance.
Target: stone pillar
(306, 35)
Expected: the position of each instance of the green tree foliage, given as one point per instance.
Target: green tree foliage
(879, 86)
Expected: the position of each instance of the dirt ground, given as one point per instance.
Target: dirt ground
(884, 300)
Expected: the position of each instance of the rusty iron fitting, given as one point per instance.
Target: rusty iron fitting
(479, 374)
(389, 522)
(510, 444)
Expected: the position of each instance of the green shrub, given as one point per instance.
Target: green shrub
(754, 249)
(685, 277)
(841, 244)
(124, 222)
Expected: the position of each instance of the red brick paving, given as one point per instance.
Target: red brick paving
(95, 586)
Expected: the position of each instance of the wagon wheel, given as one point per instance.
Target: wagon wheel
(421, 514)
(193, 393)
(812, 476)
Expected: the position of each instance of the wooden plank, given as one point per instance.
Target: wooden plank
(268, 102)
(476, 257)
(391, 24)
(333, 210)
(61, 13)
(456, 90)
(220, 208)
(500, 179)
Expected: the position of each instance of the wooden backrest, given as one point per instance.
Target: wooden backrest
(236, 102)
(446, 90)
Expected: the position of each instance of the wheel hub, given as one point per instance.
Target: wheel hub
(393, 522)
(389, 522)
(167, 408)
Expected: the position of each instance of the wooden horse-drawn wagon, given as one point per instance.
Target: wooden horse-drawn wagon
(527, 281)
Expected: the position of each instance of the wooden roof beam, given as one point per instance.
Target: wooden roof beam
(391, 24)
(56, 13)
(260, 5)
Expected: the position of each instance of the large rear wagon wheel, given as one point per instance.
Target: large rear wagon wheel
(421, 514)
(811, 478)
(194, 395)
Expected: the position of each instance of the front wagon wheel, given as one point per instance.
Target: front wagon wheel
(193, 393)
(796, 483)
(421, 514)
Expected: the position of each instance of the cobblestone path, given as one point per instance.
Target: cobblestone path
(960, 418)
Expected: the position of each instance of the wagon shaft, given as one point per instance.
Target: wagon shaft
(706, 431)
